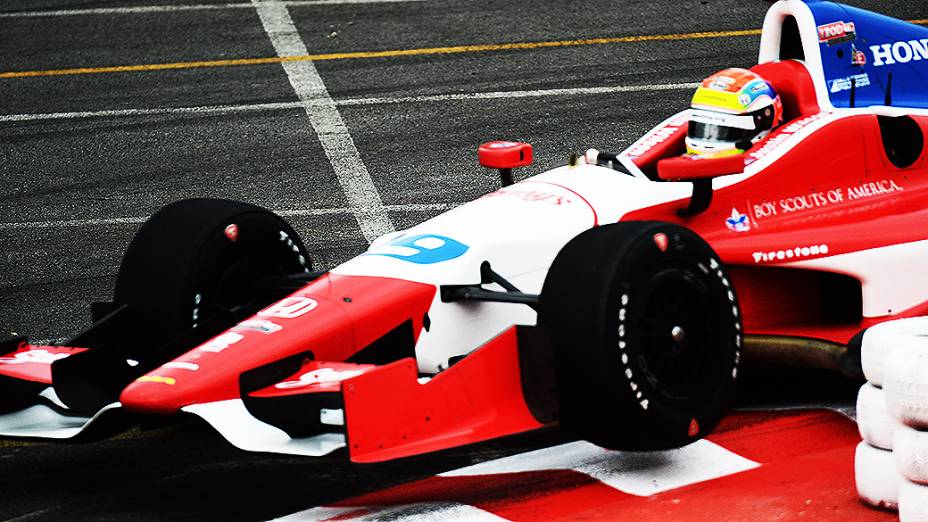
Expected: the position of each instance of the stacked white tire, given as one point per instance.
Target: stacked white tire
(891, 464)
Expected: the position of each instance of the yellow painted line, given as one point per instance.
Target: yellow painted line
(379, 54)
(390, 53)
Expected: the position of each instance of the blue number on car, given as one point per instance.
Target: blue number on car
(423, 249)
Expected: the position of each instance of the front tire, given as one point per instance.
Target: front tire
(196, 258)
(647, 335)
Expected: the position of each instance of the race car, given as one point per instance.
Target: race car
(613, 297)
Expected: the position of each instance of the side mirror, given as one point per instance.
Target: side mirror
(700, 171)
(505, 156)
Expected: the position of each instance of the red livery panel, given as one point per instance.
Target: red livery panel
(477, 399)
(333, 317)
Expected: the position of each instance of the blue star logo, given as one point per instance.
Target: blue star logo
(738, 222)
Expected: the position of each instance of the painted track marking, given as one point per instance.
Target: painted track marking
(360, 191)
(345, 102)
(623, 470)
(415, 512)
(425, 51)
(396, 53)
(186, 7)
(611, 475)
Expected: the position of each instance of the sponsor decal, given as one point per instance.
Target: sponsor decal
(758, 87)
(814, 200)
(657, 136)
(722, 83)
(180, 365)
(781, 136)
(858, 57)
(845, 84)
(33, 357)
(422, 249)
(531, 196)
(869, 190)
(790, 254)
(220, 343)
(738, 222)
(837, 32)
(320, 376)
(801, 219)
(259, 325)
(899, 52)
(170, 381)
(289, 307)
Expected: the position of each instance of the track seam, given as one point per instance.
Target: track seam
(356, 182)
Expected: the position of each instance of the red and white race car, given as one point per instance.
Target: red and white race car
(612, 296)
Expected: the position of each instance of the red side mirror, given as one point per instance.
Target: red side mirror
(689, 168)
(505, 154)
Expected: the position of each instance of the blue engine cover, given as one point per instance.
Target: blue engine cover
(865, 47)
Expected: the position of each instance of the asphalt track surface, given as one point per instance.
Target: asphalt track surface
(86, 155)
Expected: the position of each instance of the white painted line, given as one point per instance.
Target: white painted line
(642, 473)
(577, 91)
(185, 7)
(32, 515)
(136, 220)
(73, 223)
(415, 207)
(48, 342)
(418, 512)
(360, 191)
(162, 111)
(345, 102)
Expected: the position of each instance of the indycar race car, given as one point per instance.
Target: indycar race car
(613, 296)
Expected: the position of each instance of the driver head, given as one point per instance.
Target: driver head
(732, 110)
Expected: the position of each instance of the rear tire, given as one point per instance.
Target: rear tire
(197, 257)
(647, 335)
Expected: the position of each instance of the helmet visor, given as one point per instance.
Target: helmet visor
(712, 132)
(729, 128)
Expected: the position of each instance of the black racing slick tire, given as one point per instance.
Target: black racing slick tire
(195, 258)
(647, 335)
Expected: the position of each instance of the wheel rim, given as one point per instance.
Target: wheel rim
(675, 332)
(236, 277)
(235, 283)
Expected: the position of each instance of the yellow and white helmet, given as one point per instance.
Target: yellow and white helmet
(732, 110)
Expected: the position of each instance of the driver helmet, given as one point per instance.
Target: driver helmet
(731, 111)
